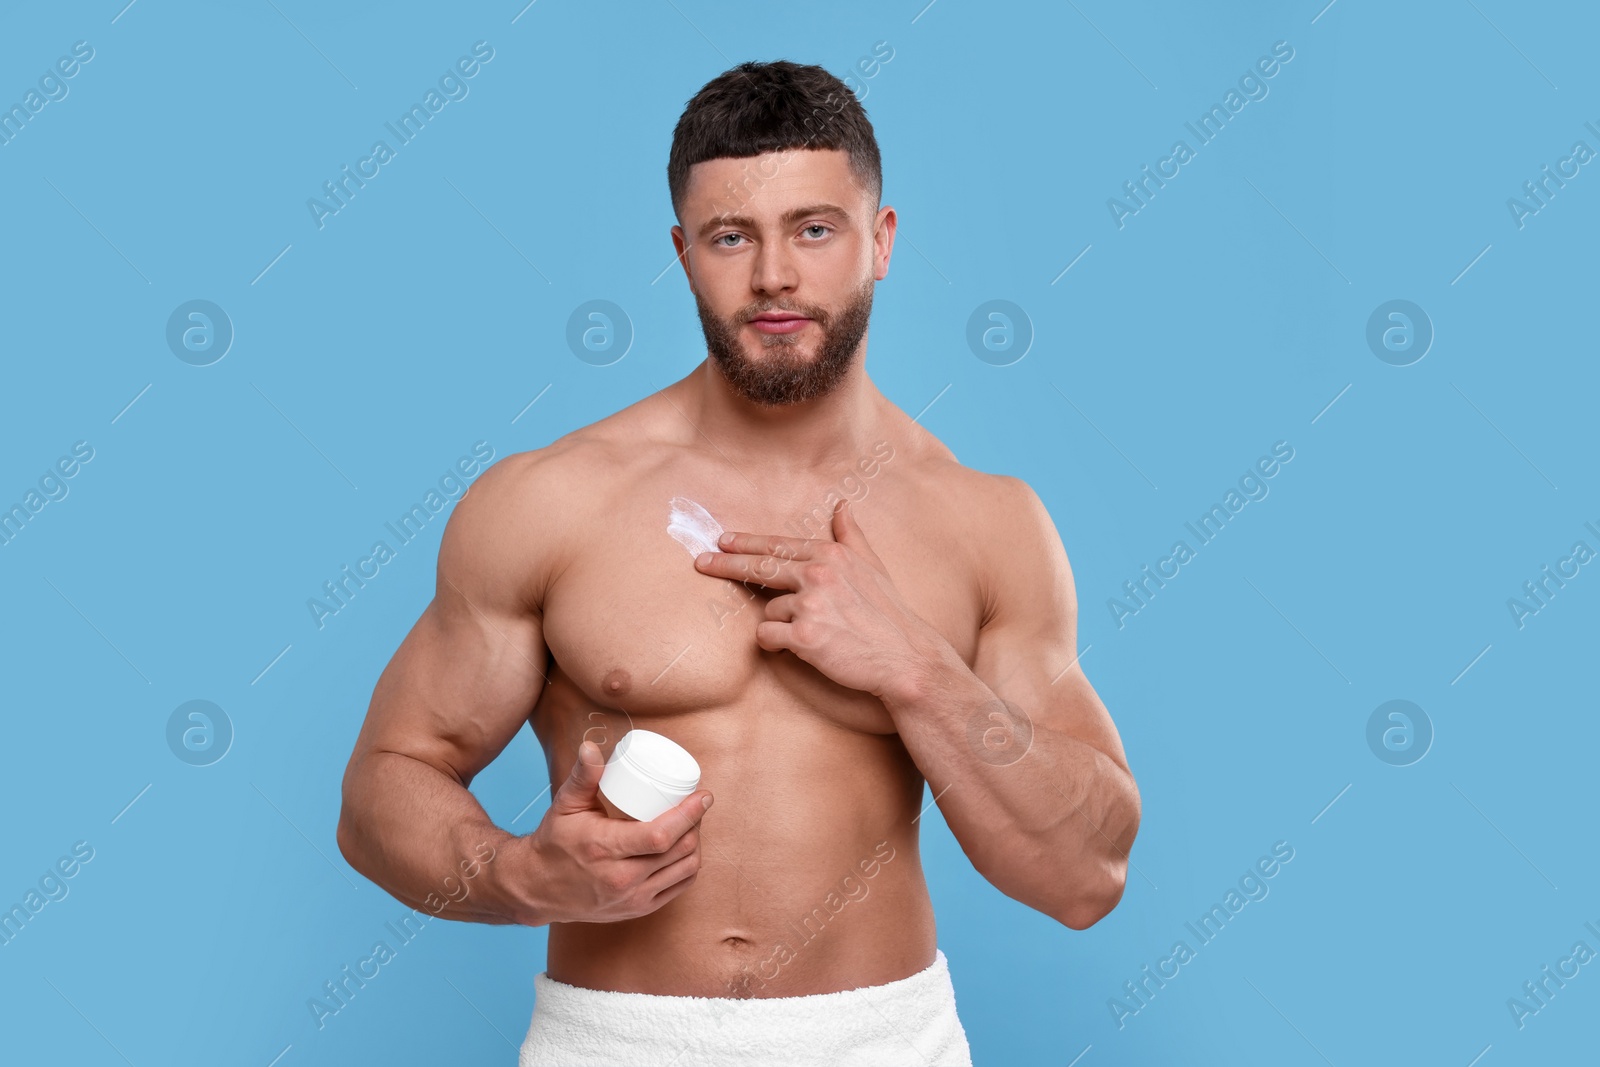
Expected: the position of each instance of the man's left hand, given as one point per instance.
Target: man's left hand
(840, 611)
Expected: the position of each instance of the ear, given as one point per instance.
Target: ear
(883, 242)
(680, 246)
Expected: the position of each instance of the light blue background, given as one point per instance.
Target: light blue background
(1223, 317)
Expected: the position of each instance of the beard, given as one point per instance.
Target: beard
(783, 375)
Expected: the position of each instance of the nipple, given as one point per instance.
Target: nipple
(617, 683)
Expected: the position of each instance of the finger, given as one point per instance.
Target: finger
(769, 571)
(580, 791)
(671, 876)
(686, 845)
(847, 531)
(661, 833)
(672, 892)
(783, 608)
(765, 545)
(775, 636)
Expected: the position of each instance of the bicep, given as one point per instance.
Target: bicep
(469, 672)
(1027, 649)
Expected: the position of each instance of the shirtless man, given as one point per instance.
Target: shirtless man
(820, 662)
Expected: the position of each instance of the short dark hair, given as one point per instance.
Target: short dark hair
(770, 107)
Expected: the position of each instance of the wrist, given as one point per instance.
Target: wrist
(513, 884)
(929, 668)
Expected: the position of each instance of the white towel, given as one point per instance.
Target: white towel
(911, 1021)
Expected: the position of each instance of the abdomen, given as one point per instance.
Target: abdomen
(810, 878)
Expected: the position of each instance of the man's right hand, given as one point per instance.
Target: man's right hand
(594, 868)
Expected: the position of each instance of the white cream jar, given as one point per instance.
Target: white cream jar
(646, 774)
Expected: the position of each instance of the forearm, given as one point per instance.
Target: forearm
(421, 836)
(1044, 817)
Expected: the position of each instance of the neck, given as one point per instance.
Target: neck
(816, 436)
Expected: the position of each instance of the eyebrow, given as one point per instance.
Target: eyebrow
(789, 218)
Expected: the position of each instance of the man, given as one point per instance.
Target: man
(873, 616)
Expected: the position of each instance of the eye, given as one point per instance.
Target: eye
(817, 226)
(718, 239)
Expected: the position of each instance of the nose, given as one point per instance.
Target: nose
(773, 271)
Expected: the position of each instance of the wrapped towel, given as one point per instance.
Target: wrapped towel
(911, 1021)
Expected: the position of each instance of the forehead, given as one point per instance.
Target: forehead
(766, 185)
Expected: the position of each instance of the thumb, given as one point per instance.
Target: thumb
(847, 531)
(579, 791)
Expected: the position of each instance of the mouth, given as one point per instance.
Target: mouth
(778, 322)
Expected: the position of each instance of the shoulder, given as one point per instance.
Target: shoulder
(994, 508)
(527, 515)
(988, 505)
(564, 471)
(1012, 544)
(575, 474)
(1002, 502)
(1013, 510)
(520, 522)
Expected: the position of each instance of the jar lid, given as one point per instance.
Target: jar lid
(660, 759)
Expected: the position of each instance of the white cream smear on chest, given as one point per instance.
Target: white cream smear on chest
(692, 526)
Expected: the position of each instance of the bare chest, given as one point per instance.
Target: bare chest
(632, 625)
